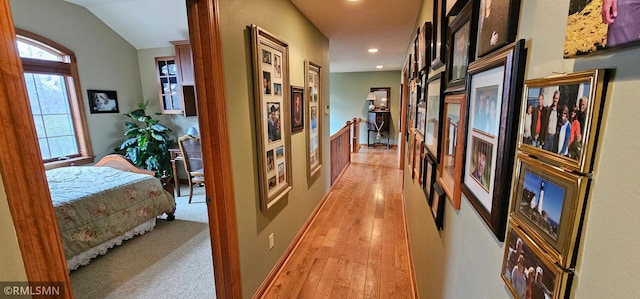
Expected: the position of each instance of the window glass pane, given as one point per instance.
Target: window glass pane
(172, 68)
(173, 80)
(40, 130)
(58, 125)
(44, 148)
(167, 102)
(174, 89)
(176, 102)
(33, 94)
(162, 67)
(31, 51)
(52, 94)
(62, 146)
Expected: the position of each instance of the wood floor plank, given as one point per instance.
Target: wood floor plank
(356, 247)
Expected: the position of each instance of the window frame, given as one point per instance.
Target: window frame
(68, 68)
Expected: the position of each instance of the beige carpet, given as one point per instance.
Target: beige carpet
(172, 261)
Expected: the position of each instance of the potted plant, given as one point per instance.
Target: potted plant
(148, 142)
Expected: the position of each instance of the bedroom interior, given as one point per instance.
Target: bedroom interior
(77, 235)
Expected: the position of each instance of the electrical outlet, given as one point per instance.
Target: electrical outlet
(271, 241)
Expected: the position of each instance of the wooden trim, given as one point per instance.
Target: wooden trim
(23, 171)
(414, 281)
(277, 268)
(119, 162)
(70, 69)
(204, 35)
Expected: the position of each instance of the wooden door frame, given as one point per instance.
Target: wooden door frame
(24, 178)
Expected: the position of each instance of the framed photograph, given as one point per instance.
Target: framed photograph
(497, 24)
(607, 30)
(313, 85)
(492, 107)
(412, 108)
(103, 101)
(451, 153)
(410, 150)
(547, 204)
(297, 109)
(460, 31)
(424, 46)
(437, 205)
(439, 35)
(433, 130)
(429, 176)
(526, 266)
(418, 151)
(273, 123)
(560, 118)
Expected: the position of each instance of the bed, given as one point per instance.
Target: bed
(98, 207)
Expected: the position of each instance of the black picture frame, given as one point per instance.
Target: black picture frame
(500, 17)
(102, 101)
(486, 184)
(461, 47)
(297, 108)
(453, 7)
(439, 35)
(424, 46)
(437, 205)
(428, 177)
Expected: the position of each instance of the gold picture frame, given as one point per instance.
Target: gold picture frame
(273, 125)
(548, 280)
(547, 203)
(582, 94)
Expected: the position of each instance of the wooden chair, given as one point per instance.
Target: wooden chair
(191, 152)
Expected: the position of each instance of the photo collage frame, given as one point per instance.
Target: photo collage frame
(273, 121)
(313, 84)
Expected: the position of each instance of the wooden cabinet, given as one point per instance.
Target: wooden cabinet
(184, 62)
(378, 123)
(176, 81)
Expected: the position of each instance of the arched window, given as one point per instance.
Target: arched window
(51, 78)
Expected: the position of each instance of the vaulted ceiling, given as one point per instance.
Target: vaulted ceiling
(352, 27)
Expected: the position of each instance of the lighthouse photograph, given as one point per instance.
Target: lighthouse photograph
(542, 203)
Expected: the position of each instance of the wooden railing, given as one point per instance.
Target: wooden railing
(355, 141)
(341, 148)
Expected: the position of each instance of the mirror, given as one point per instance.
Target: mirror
(383, 97)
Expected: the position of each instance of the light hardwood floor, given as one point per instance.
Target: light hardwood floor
(357, 245)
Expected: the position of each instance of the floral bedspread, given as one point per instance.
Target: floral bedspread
(96, 204)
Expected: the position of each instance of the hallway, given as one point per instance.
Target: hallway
(357, 245)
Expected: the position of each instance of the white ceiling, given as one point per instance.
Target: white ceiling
(351, 26)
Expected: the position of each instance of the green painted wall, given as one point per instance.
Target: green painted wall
(284, 220)
(348, 94)
(465, 260)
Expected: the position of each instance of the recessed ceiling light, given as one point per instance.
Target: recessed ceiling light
(379, 66)
(373, 50)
